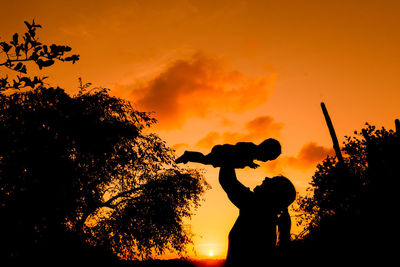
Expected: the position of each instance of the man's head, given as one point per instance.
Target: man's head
(269, 149)
(277, 191)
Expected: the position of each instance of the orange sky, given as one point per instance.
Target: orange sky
(228, 71)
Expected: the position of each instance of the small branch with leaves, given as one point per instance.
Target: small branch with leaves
(20, 51)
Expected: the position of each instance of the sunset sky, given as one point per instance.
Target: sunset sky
(227, 71)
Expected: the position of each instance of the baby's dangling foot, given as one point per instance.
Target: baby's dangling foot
(183, 159)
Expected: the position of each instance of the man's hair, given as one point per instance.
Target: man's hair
(285, 189)
(280, 191)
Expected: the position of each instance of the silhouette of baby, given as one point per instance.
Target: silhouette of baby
(238, 156)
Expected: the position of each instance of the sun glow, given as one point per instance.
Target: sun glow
(211, 250)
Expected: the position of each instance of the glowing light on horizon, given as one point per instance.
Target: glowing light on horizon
(211, 253)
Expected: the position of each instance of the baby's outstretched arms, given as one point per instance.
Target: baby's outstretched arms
(183, 159)
(191, 156)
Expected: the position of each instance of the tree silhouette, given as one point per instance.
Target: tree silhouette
(83, 170)
(349, 212)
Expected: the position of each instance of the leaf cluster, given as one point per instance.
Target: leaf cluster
(27, 48)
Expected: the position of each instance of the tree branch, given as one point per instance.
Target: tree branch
(122, 194)
(107, 204)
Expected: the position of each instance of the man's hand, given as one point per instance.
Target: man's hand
(253, 165)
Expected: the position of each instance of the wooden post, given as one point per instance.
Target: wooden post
(397, 123)
(333, 134)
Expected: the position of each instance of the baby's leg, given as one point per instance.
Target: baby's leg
(192, 156)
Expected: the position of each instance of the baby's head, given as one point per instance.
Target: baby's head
(269, 149)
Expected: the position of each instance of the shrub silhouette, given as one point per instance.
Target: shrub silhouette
(350, 211)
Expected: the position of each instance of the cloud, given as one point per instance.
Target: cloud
(308, 157)
(197, 87)
(310, 154)
(209, 140)
(256, 130)
(263, 127)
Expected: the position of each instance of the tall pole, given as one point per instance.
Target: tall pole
(333, 134)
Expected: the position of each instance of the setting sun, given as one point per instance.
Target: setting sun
(211, 253)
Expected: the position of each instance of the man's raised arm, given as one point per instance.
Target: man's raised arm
(237, 193)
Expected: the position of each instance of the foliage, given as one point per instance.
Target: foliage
(82, 171)
(17, 53)
(85, 163)
(347, 204)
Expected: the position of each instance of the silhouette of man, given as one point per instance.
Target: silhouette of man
(253, 238)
